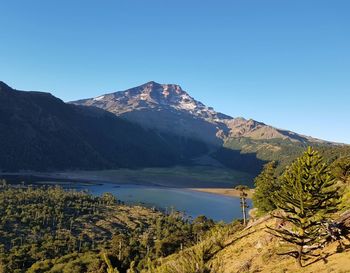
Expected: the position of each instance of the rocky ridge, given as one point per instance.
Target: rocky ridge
(176, 111)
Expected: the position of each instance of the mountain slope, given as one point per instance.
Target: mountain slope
(41, 132)
(168, 108)
(150, 125)
(156, 105)
(164, 107)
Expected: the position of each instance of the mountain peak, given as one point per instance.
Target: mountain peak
(163, 89)
(150, 83)
(169, 108)
(154, 96)
(4, 86)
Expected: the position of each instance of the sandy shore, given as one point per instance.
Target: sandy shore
(140, 177)
(226, 192)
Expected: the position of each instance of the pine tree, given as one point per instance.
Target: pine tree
(243, 196)
(265, 186)
(341, 169)
(307, 197)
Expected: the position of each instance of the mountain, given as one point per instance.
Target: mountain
(168, 108)
(146, 126)
(163, 107)
(40, 132)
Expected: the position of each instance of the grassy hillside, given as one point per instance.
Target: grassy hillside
(252, 249)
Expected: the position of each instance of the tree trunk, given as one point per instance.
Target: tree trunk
(120, 251)
(300, 255)
(244, 213)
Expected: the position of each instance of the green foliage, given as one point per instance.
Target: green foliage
(341, 169)
(279, 150)
(307, 197)
(110, 268)
(108, 199)
(65, 137)
(198, 258)
(266, 186)
(48, 229)
(283, 151)
(345, 199)
(201, 225)
(238, 160)
(165, 236)
(72, 263)
(44, 223)
(242, 188)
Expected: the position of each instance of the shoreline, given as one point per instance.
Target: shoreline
(95, 179)
(224, 191)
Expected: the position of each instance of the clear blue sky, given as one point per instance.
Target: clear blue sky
(286, 63)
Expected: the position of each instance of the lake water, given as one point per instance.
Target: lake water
(193, 203)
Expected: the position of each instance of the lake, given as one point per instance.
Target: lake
(192, 203)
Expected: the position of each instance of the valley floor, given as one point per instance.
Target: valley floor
(176, 177)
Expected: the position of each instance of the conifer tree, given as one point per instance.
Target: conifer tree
(265, 186)
(341, 169)
(243, 196)
(307, 196)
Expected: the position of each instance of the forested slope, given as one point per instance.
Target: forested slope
(41, 132)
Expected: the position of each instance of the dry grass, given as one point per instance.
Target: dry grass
(250, 250)
(259, 251)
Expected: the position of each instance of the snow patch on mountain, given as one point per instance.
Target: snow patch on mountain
(99, 98)
(167, 99)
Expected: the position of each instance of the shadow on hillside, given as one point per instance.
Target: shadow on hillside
(234, 159)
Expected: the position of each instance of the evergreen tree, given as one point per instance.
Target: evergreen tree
(265, 187)
(243, 196)
(341, 169)
(307, 196)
